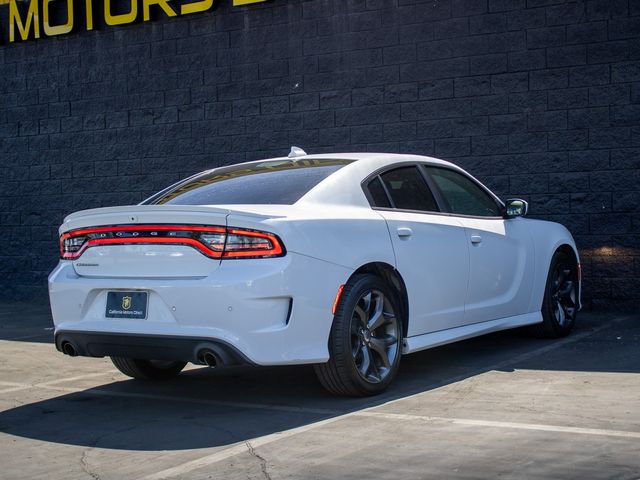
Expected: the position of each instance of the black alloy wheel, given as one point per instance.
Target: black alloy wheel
(365, 344)
(560, 304)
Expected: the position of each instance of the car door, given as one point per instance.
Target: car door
(500, 250)
(431, 249)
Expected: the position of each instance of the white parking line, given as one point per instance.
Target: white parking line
(14, 387)
(79, 377)
(11, 384)
(494, 424)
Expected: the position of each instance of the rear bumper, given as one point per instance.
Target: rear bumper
(156, 347)
(272, 311)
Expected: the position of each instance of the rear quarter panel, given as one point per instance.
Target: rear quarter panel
(346, 236)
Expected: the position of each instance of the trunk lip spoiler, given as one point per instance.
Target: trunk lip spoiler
(131, 215)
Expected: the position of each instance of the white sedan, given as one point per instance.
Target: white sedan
(344, 261)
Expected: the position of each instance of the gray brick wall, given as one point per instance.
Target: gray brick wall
(538, 98)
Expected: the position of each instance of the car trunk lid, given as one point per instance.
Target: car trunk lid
(139, 237)
(158, 241)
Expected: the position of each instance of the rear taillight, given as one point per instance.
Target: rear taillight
(248, 243)
(214, 242)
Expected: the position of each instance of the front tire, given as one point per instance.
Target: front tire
(560, 304)
(365, 344)
(148, 369)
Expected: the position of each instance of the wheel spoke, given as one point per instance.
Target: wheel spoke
(566, 289)
(379, 346)
(356, 347)
(560, 314)
(362, 314)
(375, 371)
(568, 301)
(367, 304)
(563, 275)
(366, 361)
(374, 333)
(389, 339)
(378, 317)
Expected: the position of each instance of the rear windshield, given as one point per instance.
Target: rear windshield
(281, 182)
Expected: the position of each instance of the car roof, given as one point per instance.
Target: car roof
(362, 157)
(340, 187)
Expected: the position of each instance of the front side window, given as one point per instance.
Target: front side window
(408, 190)
(463, 195)
(272, 182)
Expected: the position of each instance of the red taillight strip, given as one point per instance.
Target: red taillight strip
(143, 240)
(129, 228)
(277, 250)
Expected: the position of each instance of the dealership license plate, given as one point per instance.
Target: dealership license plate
(127, 305)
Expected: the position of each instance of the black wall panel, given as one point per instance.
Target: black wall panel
(538, 98)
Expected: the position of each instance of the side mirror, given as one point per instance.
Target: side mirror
(515, 207)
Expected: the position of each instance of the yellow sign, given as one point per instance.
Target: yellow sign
(32, 18)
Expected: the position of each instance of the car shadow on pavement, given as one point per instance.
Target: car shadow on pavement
(206, 408)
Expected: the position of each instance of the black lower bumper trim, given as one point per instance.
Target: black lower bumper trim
(148, 347)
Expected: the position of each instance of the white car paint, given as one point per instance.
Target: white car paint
(500, 265)
(456, 286)
(434, 261)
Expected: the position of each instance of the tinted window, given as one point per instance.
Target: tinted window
(378, 195)
(463, 195)
(275, 182)
(408, 190)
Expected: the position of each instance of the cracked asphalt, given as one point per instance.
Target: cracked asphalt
(504, 405)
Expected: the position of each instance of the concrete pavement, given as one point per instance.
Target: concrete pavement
(503, 405)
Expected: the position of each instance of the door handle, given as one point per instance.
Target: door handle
(404, 232)
(475, 239)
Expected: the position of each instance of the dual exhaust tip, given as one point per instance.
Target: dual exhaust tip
(205, 356)
(209, 358)
(68, 349)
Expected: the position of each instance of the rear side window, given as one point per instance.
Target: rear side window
(378, 195)
(408, 190)
(463, 195)
(275, 182)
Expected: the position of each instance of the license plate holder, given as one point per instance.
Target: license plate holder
(132, 305)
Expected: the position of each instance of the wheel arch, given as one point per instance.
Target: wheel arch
(569, 250)
(392, 277)
(548, 238)
(572, 252)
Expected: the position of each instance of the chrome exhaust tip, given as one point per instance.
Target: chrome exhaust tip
(69, 349)
(208, 358)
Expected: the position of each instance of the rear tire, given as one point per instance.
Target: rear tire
(365, 344)
(148, 369)
(560, 304)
